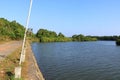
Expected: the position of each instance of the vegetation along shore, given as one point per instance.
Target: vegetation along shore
(12, 30)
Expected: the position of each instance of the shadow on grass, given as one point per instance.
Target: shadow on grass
(10, 75)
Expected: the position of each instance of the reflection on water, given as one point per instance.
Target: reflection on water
(98, 60)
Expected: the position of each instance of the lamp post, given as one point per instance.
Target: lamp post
(22, 56)
(24, 40)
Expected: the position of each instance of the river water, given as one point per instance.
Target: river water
(98, 60)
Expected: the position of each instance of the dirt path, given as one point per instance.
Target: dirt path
(31, 71)
(9, 47)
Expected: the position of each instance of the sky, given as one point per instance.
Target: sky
(87, 17)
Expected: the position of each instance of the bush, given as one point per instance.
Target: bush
(118, 42)
(11, 30)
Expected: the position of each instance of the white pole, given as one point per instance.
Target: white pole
(27, 23)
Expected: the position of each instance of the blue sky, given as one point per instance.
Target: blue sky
(88, 17)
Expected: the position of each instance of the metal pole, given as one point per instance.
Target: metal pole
(27, 23)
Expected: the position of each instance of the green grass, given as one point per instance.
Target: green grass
(7, 66)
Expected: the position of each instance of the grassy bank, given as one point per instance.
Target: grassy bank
(8, 65)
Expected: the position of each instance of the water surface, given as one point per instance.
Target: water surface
(98, 60)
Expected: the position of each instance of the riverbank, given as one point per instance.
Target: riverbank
(9, 59)
(33, 72)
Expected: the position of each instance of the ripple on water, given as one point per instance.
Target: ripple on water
(78, 61)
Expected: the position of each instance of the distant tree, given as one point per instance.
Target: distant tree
(51, 36)
(60, 35)
(74, 38)
(81, 37)
(107, 38)
(45, 33)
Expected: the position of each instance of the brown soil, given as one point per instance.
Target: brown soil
(9, 47)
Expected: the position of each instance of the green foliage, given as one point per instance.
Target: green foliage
(45, 33)
(118, 42)
(10, 30)
(108, 38)
(83, 38)
(60, 35)
(51, 36)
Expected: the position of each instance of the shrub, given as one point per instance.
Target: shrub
(118, 42)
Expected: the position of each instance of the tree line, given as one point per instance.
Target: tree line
(10, 30)
(50, 36)
(45, 35)
(15, 31)
(81, 37)
(108, 38)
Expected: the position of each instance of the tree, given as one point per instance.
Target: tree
(81, 37)
(10, 30)
(60, 35)
(51, 36)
